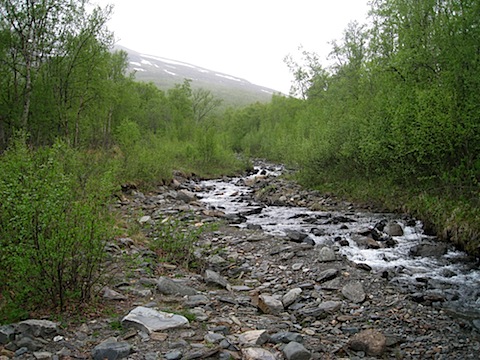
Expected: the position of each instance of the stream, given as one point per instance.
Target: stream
(450, 280)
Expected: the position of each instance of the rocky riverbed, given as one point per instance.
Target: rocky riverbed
(253, 294)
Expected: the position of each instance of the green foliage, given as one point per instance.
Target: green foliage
(53, 227)
(174, 239)
(396, 113)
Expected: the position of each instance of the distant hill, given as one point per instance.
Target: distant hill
(165, 73)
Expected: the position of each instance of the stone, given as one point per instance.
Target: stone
(167, 286)
(186, 196)
(111, 350)
(215, 278)
(296, 236)
(253, 353)
(269, 304)
(370, 341)
(296, 351)
(213, 338)
(326, 254)
(393, 229)
(110, 294)
(286, 337)
(44, 329)
(254, 337)
(150, 320)
(326, 275)
(29, 343)
(144, 219)
(42, 355)
(196, 300)
(291, 296)
(428, 250)
(354, 292)
(476, 323)
(330, 306)
(173, 355)
(7, 334)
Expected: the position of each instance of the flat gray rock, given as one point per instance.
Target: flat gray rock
(111, 350)
(354, 292)
(150, 320)
(296, 351)
(167, 286)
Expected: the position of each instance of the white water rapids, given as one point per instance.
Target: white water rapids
(453, 275)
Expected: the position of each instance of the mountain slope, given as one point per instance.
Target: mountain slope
(165, 73)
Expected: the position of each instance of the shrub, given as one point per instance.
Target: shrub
(53, 228)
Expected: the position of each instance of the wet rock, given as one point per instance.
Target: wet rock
(326, 254)
(296, 351)
(257, 354)
(393, 229)
(167, 286)
(429, 250)
(296, 236)
(291, 296)
(326, 275)
(370, 341)
(354, 292)
(215, 278)
(111, 349)
(150, 320)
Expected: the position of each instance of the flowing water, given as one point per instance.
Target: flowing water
(451, 280)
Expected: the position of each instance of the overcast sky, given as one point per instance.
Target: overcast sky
(243, 38)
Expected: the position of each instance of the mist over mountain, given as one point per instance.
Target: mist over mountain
(165, 73)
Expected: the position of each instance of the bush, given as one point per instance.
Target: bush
(53, 228)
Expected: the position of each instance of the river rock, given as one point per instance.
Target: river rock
(269, 304)
(110, 294)
(370, 341)
(167, 286)
(196, 300)
(186, 196)
(254, 337)
(38, 328)
(286, 337)
(291, 296)
(296, 236)
(7, 334)
(257, 354)
(326, 275)
(326, 254)
(296, 351)
(393, 229)
(428, 250)
(42, 355)
(354, 292)
(215, 278)
(330, 306)
(150, 320)
(111, 349)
